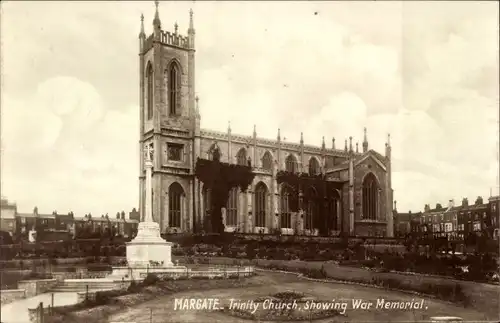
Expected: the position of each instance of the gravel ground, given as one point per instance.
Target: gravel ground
(161, 309)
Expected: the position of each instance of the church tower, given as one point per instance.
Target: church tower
(168, 122)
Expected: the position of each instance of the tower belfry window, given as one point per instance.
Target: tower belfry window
(173, 88)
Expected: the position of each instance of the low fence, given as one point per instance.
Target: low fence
(211, 273)
(60, 276)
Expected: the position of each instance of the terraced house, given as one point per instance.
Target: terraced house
(358, 202)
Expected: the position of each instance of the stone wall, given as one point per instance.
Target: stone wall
(10, 295)
(36, 287)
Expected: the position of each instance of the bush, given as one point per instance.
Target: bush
(133, 287)
(151, 279)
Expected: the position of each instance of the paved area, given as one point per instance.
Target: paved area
(161, 310)
(17, 312)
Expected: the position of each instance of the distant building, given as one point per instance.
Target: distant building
(404, 222)
(8, 213)
(494, 210)
(441, 221)
(61, 226)
(474, 218)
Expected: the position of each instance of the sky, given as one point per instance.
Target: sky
(425, 72)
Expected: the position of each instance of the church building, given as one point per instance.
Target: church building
(356, 197)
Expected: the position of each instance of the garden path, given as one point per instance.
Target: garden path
(17, 311)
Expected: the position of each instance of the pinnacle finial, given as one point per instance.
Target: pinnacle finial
(350, 143)
(301, 137)
(323, 141)
(156, 21)
(357, 149)
(333, 143)
(176, 27)
(254, 130)
(142, 34)
(345, 148)
(229, 125)
(365, 141)
(191, 23)
(389, 139)
(279, 135)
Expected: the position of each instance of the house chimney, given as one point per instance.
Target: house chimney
(465, 202)
(451, 203)
(427, 208)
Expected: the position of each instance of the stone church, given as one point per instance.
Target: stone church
(361, 203)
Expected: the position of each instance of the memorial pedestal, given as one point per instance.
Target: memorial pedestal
(148, 248)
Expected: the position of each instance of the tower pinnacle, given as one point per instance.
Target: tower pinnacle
(197, 99)
(365, 142)
(191, 23)
(156, 21)
(142, 34)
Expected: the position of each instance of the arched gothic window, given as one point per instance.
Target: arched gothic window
(149, 91)
(267, 161)
(291, 164)
(241, 157)
(175, 199)
(370, 197)
(260, 205)
(174, 78)
(286, 215)
(232, 208)
(333, 212)
(312, 210)
(313, 166)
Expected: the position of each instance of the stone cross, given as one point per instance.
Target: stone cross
(149, 151)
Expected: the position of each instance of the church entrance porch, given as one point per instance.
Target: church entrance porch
(315, 201)
(219, 180)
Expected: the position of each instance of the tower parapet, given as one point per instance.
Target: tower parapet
(169, 39)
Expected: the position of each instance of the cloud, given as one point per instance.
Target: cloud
(73, 149)
(425, 72)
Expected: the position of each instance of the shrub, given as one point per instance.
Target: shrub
(151, 279)
(133, 287)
